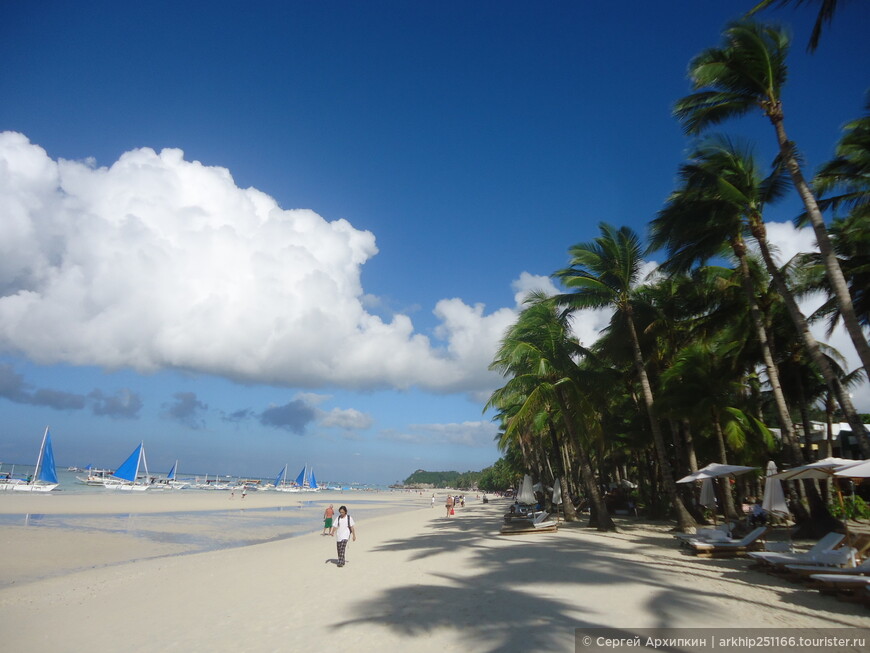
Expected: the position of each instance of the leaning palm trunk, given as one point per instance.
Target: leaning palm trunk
(599, 516)
(739, 248)
(684, 519)
(759, 232)
(829, 257)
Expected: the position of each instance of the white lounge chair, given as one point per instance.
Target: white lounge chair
(840, 582)
(720, 533)
(731, 547)
(541, 523)
(772, 558)
(805, 571)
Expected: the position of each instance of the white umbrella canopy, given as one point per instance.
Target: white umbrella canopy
(713, 470)
(820, 469)
(526, 494)
(861, 470)
(774, 497)
(557, 493)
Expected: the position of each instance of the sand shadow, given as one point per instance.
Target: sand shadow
(505, 604)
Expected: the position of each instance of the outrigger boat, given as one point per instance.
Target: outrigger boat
(44, 478)
(126, 476)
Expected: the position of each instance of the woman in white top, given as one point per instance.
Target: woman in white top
(344, 530)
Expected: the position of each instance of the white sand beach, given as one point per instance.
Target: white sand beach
(415, 581)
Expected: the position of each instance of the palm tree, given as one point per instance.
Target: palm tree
(603, 274)
(725, 180)
(540, 355)
(746, 73)
(699, 221)
(849, 171)
(827, 9)
(705, 383)
(851, 238)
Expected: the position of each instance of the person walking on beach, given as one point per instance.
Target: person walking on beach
(449, 504)
(327, 520)
(433, 501)
(344, 529)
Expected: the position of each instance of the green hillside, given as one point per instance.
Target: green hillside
(422, 478)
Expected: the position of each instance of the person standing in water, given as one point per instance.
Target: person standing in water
(328, 514)
(344, 530)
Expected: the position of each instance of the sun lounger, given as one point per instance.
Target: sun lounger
(824, 545)
(730, 548)
(540, 524)
(718, 533)
(803, 572)
(845, 585)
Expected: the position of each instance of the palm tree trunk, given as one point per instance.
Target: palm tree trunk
(684, 519)
(690, 446)
(570, 512)
(739, 248)
(759, 232)
(598, 510)
(832, 266)
(728, 507)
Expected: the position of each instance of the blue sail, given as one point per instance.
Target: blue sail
(171, 474)
(280, 476)
(48, 472)
(311, 482)
(301, 478)
(130, 467)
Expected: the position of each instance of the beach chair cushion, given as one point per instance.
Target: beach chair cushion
(744, 542)
(827, 543)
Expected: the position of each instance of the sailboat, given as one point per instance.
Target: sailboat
(305, 481)
(170, 482)
(300, 480)
(44, 477)
(312, 483)
(281, 482)
(95, 476)
(125, 476)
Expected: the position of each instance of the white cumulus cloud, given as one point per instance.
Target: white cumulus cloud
(158, 262)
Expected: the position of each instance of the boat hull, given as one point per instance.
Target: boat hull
(24, 487)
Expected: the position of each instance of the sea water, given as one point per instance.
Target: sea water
(207, 530)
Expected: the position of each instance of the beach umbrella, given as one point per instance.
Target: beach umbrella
(713, 470)
(774, 497)
(557, 493)
(859, 471)
(526, 495)
(820, 469)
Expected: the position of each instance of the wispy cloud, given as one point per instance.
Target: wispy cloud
(186, 409)
(123, 404)
(468, 434)
(293, 416)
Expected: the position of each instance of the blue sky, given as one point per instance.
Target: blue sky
(258, 233)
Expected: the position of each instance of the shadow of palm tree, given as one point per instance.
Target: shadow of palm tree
(510, 601)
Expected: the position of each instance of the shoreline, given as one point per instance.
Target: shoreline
(415, 581)
(119, 502)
